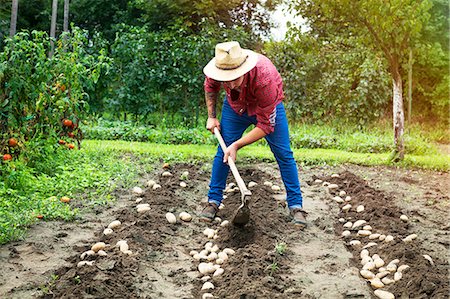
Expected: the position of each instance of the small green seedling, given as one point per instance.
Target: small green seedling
(280, 248)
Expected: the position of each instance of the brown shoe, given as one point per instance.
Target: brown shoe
(299, 217)
(209, 212)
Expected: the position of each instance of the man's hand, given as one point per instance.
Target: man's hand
(230, 151)
(212, 123)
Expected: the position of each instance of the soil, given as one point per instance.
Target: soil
(315, 263)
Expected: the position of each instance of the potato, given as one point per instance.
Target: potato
(120, 242)
(396, 261)
(143, 209)
(87, 253)
(428, 258)
(369, 266)
(364, 233)
(171, 218)
(335, 175)
(218, 272)
(269, 184)
(391, 267)
(142, 205)
(376, 283)
(342, 193)
(276, 188)
(183, 216)
(229, 251)
(166, 174)
(389, 238)
(102, 253)
(85, 263)
(348, 198)
(209, 232)
(114, 224)
(209, 245)
(156, 186)
(205, 278)
(197, 257)
(151, 183)
(225, 223)
(317, 181)
(387, 280)
(341, 220)
(404, 218)
(212, 256)
(397, 276)
(98, 246)
(355, 242)
(107, 231)
(367, 274)
(221, 206)
(338, 199)
(367, 227)
(193, 252)
(252, 184)
(215, 248)
(359, 208)
(128, 252)
(346, 233)
(124, 247)
(374, 236)
(183, 185)
(347, 207)
(332, 186)
(365, 260)
(378, 262)
(410, 238)
(348, 224)
(219, 261)
(207, 286)
(138, 190)
(384, 294)
(364, 253)
(206, 268)
(382, 237)
(222, 255)
(138, 200)
(207, 296)
(382, 274)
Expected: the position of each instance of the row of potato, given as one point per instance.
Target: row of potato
(374, 268)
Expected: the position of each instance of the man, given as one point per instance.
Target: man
(254, 91)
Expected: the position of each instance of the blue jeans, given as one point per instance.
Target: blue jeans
(233, 126)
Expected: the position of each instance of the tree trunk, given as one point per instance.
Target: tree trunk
(53, 27)
(14, 9)
(66, 16)
(410, 66)
(399, 118)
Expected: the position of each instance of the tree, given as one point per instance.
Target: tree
(66, 16)
(391, 27)
(53, 25)
(14, 8)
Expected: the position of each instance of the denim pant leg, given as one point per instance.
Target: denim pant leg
(232, 127)
(280, 145)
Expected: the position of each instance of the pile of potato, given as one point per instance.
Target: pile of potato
(374, 268)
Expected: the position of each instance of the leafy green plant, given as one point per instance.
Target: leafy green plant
(272, 268)
(280, 248)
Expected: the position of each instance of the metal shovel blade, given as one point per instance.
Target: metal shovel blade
(242, 215)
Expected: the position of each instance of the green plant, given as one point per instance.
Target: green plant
(77, 279)
(272, 268)
(280, 248)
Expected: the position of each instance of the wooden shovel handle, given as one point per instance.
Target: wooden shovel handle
(232, 165)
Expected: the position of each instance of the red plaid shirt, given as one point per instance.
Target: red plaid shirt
(261, 92)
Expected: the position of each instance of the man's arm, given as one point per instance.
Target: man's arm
(211, 100)
(247, 139)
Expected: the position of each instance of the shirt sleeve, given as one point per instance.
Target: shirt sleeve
(266, 111)
(211, 85)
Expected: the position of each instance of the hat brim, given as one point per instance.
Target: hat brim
(211, 71)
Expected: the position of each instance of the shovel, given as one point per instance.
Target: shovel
(242, 215)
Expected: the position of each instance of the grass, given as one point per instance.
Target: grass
(182, 153)
(88, 177)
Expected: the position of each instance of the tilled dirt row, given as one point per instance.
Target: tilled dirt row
(425, 276)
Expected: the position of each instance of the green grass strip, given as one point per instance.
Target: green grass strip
(169, 152)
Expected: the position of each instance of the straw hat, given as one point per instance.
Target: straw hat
(230, 62)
